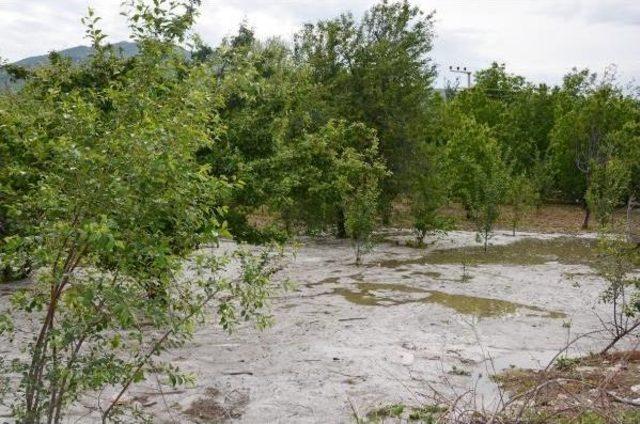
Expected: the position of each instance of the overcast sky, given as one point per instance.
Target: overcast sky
(540, 39)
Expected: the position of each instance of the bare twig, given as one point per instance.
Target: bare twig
(626, 401)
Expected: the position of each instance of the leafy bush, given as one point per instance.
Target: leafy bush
(360, 212)
(608, 188)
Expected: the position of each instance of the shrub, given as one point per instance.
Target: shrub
(429, 192)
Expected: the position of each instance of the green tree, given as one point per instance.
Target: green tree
(588, 110)
(478, 174)
(525, 127)
(306, 181)
(360, 205)
(493, 93)
(376, 71)
(519, 114)
(608, 189)
(486, 206)
(430, 192)
(624, 146)
(267, 103)
(108, 202)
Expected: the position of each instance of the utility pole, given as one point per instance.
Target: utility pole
(464, 70)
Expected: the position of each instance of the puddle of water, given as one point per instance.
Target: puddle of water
(431, 274)
(334, 280)
(383, 294)
(477, 306)
(328, 280)
(528, 251)
(368, 294)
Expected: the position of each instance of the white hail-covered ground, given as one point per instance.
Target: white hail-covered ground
(351, 337)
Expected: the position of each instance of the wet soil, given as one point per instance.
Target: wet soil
(525, 251)
(385, 294)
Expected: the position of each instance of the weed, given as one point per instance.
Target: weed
(459, 371)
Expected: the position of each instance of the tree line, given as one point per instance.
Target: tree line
(344, 118)
(504, 141)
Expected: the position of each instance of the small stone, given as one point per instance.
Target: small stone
(635, 389)
(409, 346)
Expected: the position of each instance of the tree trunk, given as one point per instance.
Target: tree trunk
(587, 215)
(587, 211)
(467, 212)
(386, 217)
(341, 230)
(619, 337)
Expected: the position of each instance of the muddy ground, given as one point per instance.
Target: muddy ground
(408, 322)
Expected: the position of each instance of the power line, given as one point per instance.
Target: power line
(462, 70)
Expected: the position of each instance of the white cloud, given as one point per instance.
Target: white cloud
(541, 39)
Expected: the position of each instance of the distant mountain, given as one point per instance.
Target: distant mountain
(77, 54)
